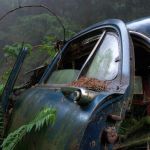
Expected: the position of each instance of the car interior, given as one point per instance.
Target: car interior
(141, 96)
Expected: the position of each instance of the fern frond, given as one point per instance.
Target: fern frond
(13, 138)
(45, 117)
(1, 88)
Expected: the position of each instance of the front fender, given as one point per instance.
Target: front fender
(72, 121)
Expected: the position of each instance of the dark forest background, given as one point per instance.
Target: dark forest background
(75, 15)
(39, 30)
(86, 12)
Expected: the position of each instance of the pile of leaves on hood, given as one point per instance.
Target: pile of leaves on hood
(89, 83)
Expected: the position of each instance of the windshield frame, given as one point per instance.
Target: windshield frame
(104, 32)
(125, 44)
(97, 49)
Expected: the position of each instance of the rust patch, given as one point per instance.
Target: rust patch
(109, 136)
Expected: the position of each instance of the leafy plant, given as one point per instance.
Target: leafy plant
(14, 49)
(48, 45)
(129, 126)
(5, 76)
(1, 88)
(126, 126)
(31, 28)
(45, 117)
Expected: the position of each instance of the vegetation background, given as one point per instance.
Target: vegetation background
(35, 27)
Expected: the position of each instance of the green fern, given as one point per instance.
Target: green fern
(1, 88)
(45, 117)
(14, 49)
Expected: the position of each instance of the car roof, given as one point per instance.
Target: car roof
(141, 25)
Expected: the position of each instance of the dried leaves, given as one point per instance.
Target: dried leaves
(90, 83)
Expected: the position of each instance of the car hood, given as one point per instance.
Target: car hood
(71, 119)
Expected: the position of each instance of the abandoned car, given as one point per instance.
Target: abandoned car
(91, 82)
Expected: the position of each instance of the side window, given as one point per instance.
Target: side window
(105, 62)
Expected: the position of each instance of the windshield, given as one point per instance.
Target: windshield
(101, 65)
(104, 65)
(69, 64)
